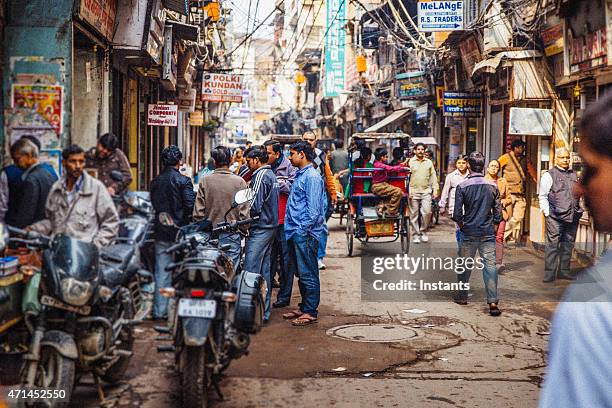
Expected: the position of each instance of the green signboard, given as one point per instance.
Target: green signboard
(334, 47)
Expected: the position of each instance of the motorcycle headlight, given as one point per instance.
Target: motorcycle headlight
(76, 292)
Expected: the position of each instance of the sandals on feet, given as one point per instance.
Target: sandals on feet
(293, 314)
(304, 320)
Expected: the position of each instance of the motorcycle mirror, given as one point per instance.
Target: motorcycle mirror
(243, 196)
(165, 219)
(116, 175)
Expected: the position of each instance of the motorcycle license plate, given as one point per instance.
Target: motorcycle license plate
(197, 308)
(49, 301)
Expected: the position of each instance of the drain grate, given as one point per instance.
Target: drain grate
(373, 333)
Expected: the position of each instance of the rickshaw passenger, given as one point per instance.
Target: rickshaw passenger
(362, 162)
(392, 195)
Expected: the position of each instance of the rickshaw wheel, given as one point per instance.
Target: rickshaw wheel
(404, 234)
(350, 230)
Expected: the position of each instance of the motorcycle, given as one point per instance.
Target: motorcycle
(215, 312)
(83, 322)
(135, 237)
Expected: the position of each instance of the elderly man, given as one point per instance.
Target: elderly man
(78, 205)
(579, 372)
(28, 205)
(107, 158)
(562, 211)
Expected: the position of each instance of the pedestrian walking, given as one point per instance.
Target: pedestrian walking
(506, 201)
(264, 205)
(106, 158)
(29, 202)
(304, 226)
(515, 168)
(579, 372)
(392, 196)
(453, 179)
(339, 159)
(321, 163)
(478, 213)
(423, 187)
(79, 205)
(171, 193)
(285, 175)
(562, 212)
(215, 194)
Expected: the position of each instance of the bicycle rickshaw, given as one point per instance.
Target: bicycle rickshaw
(363, 222)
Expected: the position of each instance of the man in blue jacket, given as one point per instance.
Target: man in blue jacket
(304, 227)
(258, 247)
(478, 212)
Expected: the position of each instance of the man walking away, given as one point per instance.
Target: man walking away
(78, 205)
(514, 168)
(215, 195)
(304, 225)
(171, 193)
(285, 174)
(108, 158)
(392, 196)
(321, 163)
(423, 185)
(579, 373)
(478, 213)
(264, 205)
(562, 211)
(339, 159)
(36, 183)
(456, 177)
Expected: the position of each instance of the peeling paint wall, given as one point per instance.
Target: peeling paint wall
(38, 50)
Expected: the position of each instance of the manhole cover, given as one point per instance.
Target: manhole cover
(373, 333)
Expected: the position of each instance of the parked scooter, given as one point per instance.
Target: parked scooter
(136, 237)
(83, 322)
(215, 311)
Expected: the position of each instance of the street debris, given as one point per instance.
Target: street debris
(339, 369)
(543, 333)
(367, 374)
(415, 311)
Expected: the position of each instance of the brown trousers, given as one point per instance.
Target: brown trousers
(392, 195)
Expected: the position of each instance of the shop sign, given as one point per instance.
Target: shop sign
(440, 15)
(412, 85)
(421, 112)
(589, 51)
(196, 118)
(221, 87)
(439, 96)
(530, 121)
(162, 114)
(552, 37)
(186, 99)
(46, 100)
(462, 104)
(100, 14)
(335, 41)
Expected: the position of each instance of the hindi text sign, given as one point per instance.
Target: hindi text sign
(462, 104)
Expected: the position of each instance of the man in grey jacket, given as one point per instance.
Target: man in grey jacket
(79, 205)
(215, 195)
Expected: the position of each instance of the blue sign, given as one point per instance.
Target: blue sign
(335, 44)
(440, 15)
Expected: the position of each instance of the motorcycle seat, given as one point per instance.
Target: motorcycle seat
(118, 255)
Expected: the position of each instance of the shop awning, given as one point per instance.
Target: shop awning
(397, 115)
(490, 65)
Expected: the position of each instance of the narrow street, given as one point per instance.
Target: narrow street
(450, 355)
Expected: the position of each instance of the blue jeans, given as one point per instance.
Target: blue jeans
(257, 253)
(233, 240)
(303, 264)
(285, 278)
(321, 251)
(163, 278)
(486, 248)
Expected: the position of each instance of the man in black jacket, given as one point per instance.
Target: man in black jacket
(257, 251)
(171, 193)
(35, 186)
(478, 212)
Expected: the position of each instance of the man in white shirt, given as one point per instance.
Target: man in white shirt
(562, 211)
(456, 177)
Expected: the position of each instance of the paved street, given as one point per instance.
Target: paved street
(454, 356)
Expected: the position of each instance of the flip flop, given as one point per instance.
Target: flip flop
(304, 320)
(293, 314)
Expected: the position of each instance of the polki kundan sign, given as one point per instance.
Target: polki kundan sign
(221, 87)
